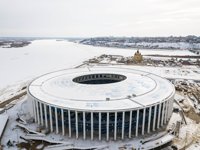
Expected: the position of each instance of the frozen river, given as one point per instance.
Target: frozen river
(42, 56)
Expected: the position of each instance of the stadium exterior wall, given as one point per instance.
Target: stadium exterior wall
(103, 125)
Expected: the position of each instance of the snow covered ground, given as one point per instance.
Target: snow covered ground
(42, 56)
(13, 133)
(20, 65)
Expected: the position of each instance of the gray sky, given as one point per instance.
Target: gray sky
(86, 18)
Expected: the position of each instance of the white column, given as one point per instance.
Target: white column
(34, 110)
(107, 130)
(171, 107)
(41, 114)
(84, 126)
(76, 115)
(100, 126)
(123, 119)
(163, 111)
(149, 120)
(130, 123)
(45, 114)
(136, 132)
(168, 103)
(115, 128)
(169, 110)
(63, 125)
(51, 123)
(69, 122)
(154, 118)
(143, 121)
(38, 117)
(166, 107)
(92, 126)
(158, 123)
(166, 111)
(56, 115)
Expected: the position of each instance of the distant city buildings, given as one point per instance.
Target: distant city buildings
(188, 42)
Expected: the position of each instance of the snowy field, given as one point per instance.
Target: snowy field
(20, 65)
(42, 56)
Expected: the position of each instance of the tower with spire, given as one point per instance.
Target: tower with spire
(137, 57)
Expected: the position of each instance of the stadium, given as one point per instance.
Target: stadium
(104, 103)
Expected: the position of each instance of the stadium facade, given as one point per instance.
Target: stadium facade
(105, 103)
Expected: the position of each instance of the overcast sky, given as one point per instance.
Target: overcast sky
(90, 18)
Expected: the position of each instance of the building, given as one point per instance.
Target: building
(105, 103)
(137, 57)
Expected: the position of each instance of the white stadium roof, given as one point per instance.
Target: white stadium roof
(139, 89)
